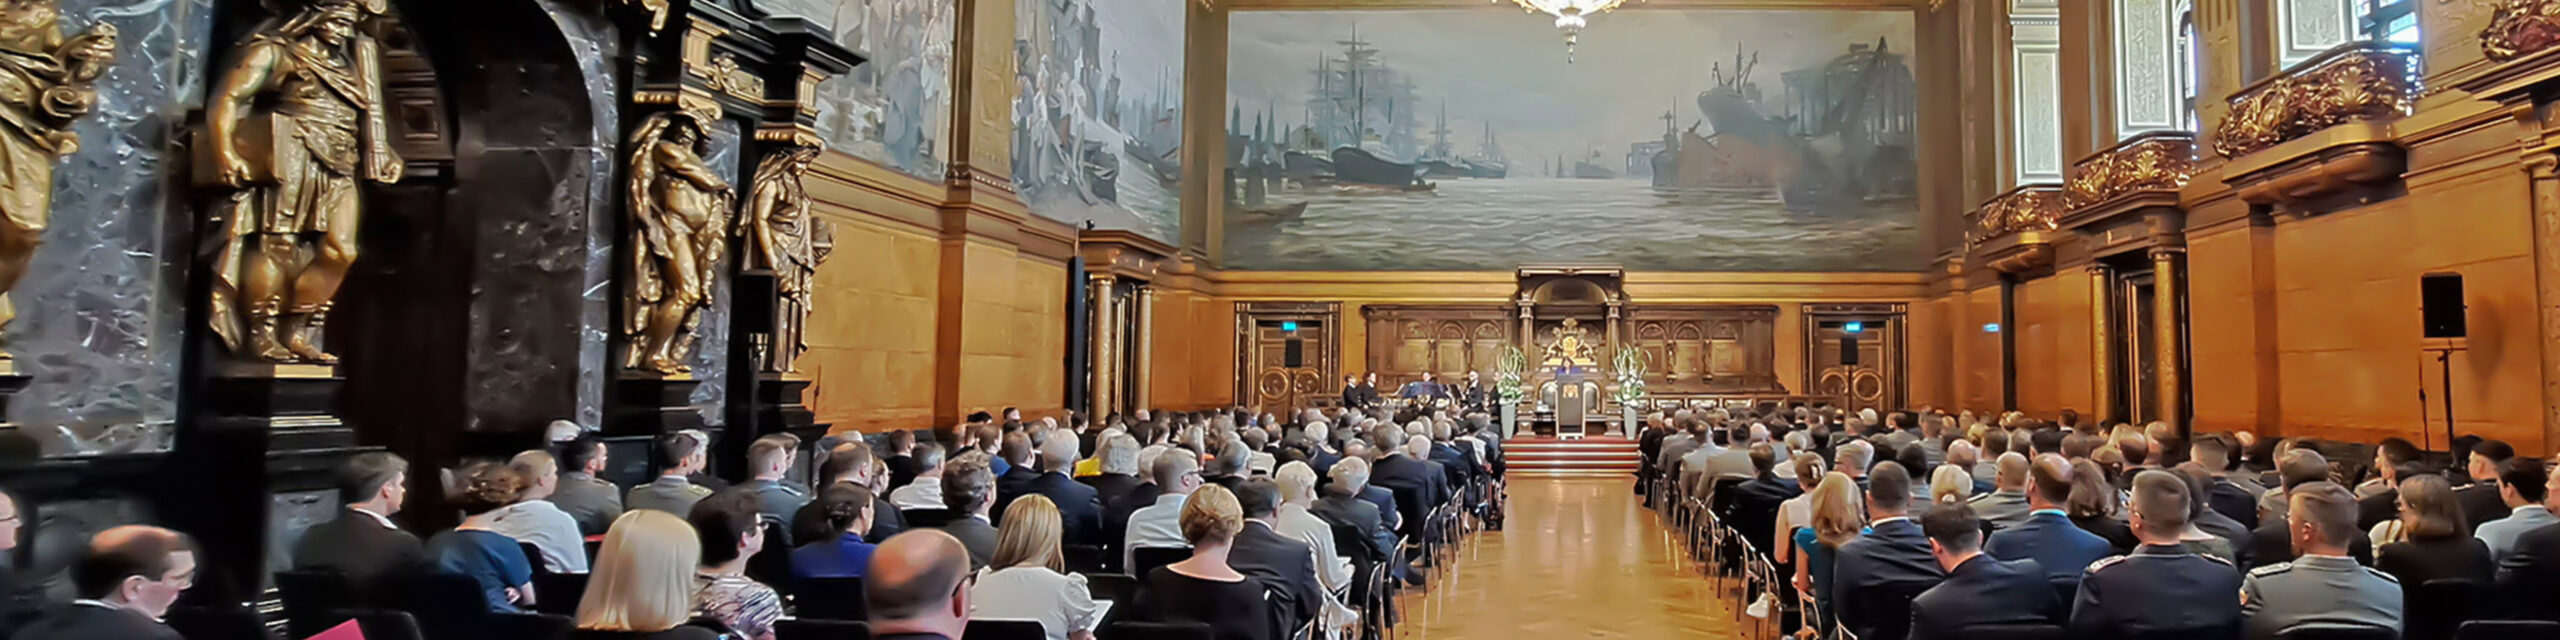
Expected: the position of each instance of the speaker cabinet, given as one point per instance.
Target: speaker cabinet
(2440, 299)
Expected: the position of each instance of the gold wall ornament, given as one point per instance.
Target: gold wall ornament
(2026, 208)
(46, 81)
(2151, 162)
(657, 10)
(293, 129)
(2520, 27)
(2357, 81)
(781, 236)
(727, 77)
(679, 226)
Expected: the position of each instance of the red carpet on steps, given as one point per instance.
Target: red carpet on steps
(1587, 457)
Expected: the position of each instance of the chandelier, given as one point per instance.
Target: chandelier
(1570, 16)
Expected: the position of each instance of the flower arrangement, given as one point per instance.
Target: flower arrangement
(1630, 367)
(1506, 376)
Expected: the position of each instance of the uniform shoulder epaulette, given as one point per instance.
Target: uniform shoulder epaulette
(2221, 560)
(791, 489)
(698, 490)
(2105, 562)
(2269, 570)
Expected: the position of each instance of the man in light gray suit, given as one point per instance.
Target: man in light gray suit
(2520, 484)
(2006, 506)
(2323, 586)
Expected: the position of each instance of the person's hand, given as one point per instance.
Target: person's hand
(1804, 584)
(234, 169)
(514, 596)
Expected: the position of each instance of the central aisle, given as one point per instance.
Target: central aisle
(1578, 559)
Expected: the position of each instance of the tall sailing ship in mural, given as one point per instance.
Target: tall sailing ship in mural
(1364, 130)
(1098, 120)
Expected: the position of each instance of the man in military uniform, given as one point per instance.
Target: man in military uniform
(590, 500)
(2162, 588)
(2323, 585)
(770, 458)
(679, 455)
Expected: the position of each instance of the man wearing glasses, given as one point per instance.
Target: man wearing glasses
(126, 583)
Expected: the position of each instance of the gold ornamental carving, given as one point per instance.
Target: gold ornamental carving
(2153, 162)
(2518, 28)
(2354, 82)
(2028, 208)
(726, 76)
(780, 235)
(292, 131)
(657, 10)
(679, 226)
(47, 80)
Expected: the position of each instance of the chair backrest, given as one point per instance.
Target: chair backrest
(447, 606)
(1111, 586)
(2338, 632)
(1888, 609)
(525, 626)
(559, 592)
(1082, 558)
(925, 518)
(310, 597)
(2508, 630)
(829, 598)
(772, 564)
(813, 629)
(2437, 607)
(533, 556)
(1130, 630)
(1005, 630)
(1348, 542)
(1144, 560)
(2012, 632)
(2065, 591)
(2210, 633)
(217, 623)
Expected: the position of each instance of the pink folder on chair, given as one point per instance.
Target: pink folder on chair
(344, 631)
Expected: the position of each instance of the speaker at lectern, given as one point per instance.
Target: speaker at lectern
(1570, 405)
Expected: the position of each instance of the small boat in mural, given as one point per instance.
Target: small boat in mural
(1590, 169)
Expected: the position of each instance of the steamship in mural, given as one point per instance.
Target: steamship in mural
(1675, 140)
(1097, 115)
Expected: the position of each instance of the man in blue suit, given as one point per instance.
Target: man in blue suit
(1079, 504)
(2047, 536)
(1893, 558)
(1980, 589)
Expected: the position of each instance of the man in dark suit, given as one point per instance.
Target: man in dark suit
(1019, 473)
(2047, 536)
(1979, 589)
(901, 460)
(969, 491)
(1893, 558)
(1341, 509)
(1753, 509)
(1119, 454)
(362, 543)
(2480, 500)
(1079, 506)
(1351, 392)
(126, 582)
(1285, 567)
(2531, 573)
(2211, 454)
(1415, 485)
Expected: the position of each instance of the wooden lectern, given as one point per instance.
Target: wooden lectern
(1571, 421)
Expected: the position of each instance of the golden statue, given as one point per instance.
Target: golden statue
(680, 219)
(294, 128)
(46, 81)
(1570, 347)
(781, 236)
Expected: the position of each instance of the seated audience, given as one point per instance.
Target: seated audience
(1115, 468)
(2162, 588)
(1019, 454)
(1341, 508)
(1078, 504)
(1159, 526)
(1297, 484)
(1027, 579)
(126, 581)
(2530, 573)
(590, 500)
(2520, 486)
(1979, 589)
(768, 467)
(731, 531)
(969, 491)
(2048, 536)
(1754, 505)
(534, 520)
(923, 489)
(2272, 541)
(1204, 588)
(679, 457)
(362, 543)
(2433, 546)
(2322, 586)
(2394, 459)
(847, 511)
(642, 588)
(1893, 555)
(901, 460)
(486, 556)
(1950, 484)
(1795, 512)
(850, 464)
(1285, 567)
(916, 587)
(2211, 455)
(2208, 531)
(2480, 500)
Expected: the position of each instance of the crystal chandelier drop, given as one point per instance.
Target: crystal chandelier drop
(1570, 16)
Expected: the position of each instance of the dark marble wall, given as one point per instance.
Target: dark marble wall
(710, 358)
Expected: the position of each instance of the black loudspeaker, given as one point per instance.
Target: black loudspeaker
(1294, 353)
(1848, 351)
(2440, 299)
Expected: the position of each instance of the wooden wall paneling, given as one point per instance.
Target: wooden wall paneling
(1449, 340)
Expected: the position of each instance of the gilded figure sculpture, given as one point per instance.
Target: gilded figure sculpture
(293, 129)
(1569, 347)
(679, 227)
(46, 81)
(781, 236)
(2518, 28)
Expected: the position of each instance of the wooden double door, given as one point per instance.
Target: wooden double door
(1288, 356)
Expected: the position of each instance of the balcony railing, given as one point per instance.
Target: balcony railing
(2155, 162)
(2357, 81)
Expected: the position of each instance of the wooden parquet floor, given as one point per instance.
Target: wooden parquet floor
(1580, 558)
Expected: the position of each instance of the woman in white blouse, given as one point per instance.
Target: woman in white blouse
(1297, 491)
(1027, 579)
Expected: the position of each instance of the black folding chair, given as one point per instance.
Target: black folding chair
(447, 606)
(314, 601)
(2507, 630)
(1144, 560)
(925, 518)
(533, 557)
(2437, 607)
(217, 623)
(809, 629)
(1160, 631)
(1005, 630)
(1082, 558)
(559, 593)
(829, 599)
(2338, 632)
(525, 626)
(1111, 586)
(1888, 607)
(2012, 632)
(772, 564)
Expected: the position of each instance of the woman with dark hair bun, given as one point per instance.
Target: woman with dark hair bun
(472, 549)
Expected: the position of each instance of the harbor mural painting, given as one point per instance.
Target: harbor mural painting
(1690, 140)
(894, 109)
(1097, 112)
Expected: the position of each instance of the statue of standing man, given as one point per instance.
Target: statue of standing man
(293, 129)
(781, 236)
(680, 227)
(46, 81)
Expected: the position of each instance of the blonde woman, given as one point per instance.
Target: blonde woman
(1027, 578)
(1949, 485)
(1203, 588)
(1839, 515)
(1297, 484)
(642, 588)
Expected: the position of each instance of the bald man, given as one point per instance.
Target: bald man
(2006, 506)
(2047, 535)
(126, 582)
(913, 588)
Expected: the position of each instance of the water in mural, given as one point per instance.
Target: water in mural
(1467, 139)
(896, 108)
(1097, 117)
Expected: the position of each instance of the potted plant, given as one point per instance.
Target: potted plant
(1507, 386)
(1629, 367)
